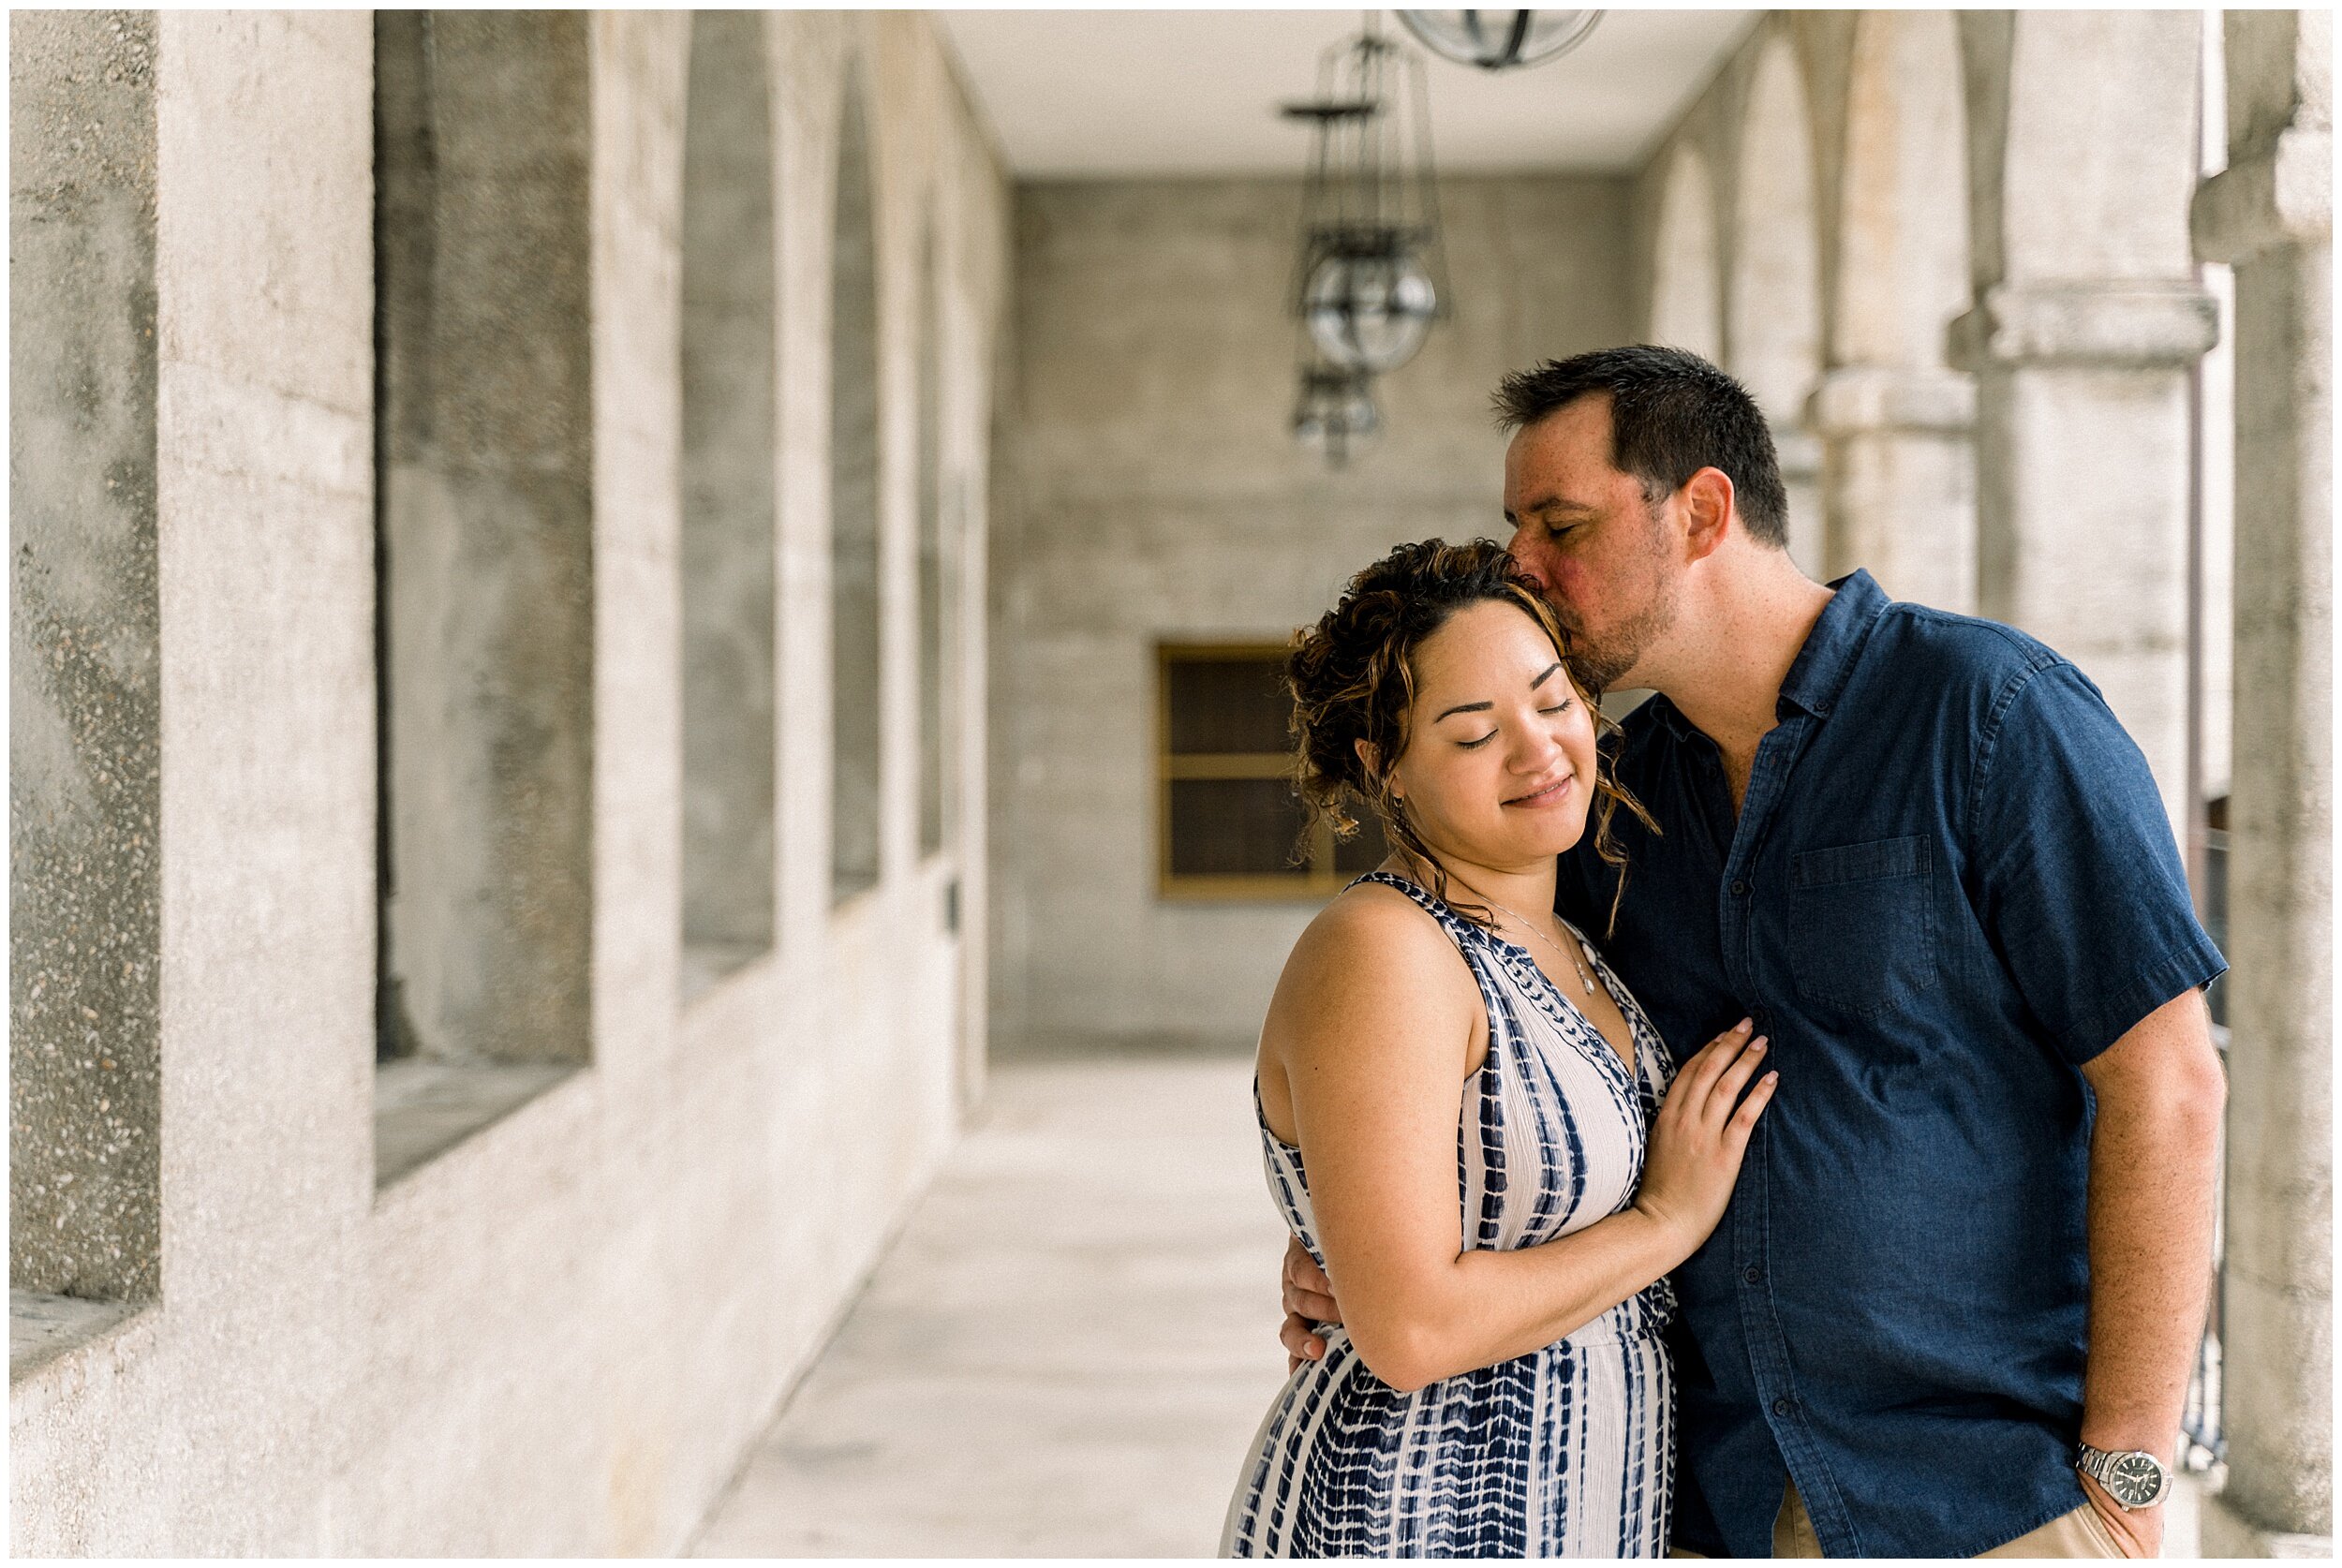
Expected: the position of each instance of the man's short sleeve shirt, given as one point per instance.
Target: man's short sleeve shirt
(1951, 884)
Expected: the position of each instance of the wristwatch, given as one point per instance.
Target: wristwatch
(2134, 1480)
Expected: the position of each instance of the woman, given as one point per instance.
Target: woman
(1497, 1388)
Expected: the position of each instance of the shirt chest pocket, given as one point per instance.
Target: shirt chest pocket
(1862, 937)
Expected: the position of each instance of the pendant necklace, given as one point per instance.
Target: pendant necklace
(1584, 979)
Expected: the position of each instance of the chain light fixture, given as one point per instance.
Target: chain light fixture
(1335, 409)
(1370, 277)
(1501, 41)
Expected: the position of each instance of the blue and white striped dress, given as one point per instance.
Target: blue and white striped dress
(1568, 1452)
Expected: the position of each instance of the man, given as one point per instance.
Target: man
(1973, 1232)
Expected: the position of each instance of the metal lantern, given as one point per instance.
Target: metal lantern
(1501, 41)
(1336, 407)
(1368, 303)
(1370, 278)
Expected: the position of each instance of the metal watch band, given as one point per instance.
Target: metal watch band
(2098, 1462)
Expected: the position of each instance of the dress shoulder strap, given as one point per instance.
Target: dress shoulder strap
(1456, 927)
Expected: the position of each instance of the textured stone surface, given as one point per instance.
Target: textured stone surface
(457, 1362)
(84, 733)
(2085, 320)
(2279, 1307)
(1063, 1354)
(1154, 492)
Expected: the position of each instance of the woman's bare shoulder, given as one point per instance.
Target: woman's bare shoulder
(1374, 951)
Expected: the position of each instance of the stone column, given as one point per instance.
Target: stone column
(84, 672)
(2270, 215)
(1899, 471)
(2085, 320)
(2082, 486)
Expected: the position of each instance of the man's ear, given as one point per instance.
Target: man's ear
(1707, 498)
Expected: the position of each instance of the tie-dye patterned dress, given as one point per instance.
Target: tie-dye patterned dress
(1568, 1452)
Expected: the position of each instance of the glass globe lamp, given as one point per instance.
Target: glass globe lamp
(1501, 41)
(1367, 310)
(1335, 409)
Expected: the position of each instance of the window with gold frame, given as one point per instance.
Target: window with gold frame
(1227, 823)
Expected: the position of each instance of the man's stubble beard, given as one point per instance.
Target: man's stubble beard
(1602, 663)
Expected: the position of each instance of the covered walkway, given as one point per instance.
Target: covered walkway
(1068, 1347)
(1064, 1352)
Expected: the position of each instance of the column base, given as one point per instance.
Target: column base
(2227, 1533)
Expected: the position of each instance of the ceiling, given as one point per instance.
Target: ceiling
(1081, 94)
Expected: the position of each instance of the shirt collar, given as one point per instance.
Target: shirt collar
(1826, 660)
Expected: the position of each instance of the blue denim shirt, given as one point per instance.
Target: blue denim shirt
(1951, 883)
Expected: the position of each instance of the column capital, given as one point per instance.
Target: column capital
(2138, 322)
(2281, 194)
(1854, 399)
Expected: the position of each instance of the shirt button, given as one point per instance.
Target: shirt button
(1739, 888)
(1784, 1406)
(1754, 1275)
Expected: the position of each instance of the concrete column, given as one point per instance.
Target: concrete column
(1773, 317)
(2081, 460)
(2084, 322)
(84, 672)
(2270, 215)
(1897, 426)
(1899, 471)
(1686, 298)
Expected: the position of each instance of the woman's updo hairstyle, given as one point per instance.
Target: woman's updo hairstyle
(1353, 679)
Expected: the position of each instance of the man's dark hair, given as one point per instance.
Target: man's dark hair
(1671, 414)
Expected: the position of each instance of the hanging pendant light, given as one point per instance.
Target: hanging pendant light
(1370, 277)
(1335, 409)
(1369, 302)
(1501, 41)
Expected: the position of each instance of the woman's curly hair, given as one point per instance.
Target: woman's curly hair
(1353, 679)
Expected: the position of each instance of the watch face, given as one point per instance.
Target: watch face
(2135, 1479)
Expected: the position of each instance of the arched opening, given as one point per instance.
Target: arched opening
(484, 497)
(484, 512)
(729, 414)
(1773, 320)
(1686, 309)
(1900, 469)
(853, 481)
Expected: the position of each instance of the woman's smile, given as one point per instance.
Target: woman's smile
(1549, 796)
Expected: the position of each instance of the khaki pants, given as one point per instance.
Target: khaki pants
(2080, 1533)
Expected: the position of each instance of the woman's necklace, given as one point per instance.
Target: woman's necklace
(1584, 978)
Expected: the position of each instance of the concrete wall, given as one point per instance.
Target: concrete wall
(1150, 491)
(556, 1337)
(85, 675)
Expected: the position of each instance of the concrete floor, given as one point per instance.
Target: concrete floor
(1066, 1354)
(1069, 1348)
